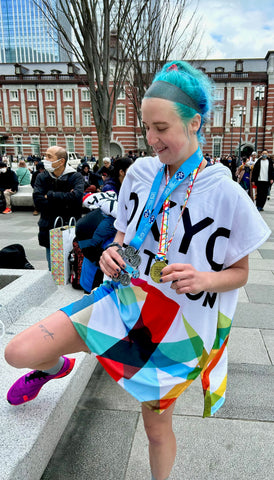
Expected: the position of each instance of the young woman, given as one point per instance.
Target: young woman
(184, 232)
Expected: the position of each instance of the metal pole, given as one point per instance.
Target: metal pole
(232, 123)
(257, 121)
(239, 156)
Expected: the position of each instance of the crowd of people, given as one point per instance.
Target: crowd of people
(255, 174)
(26, 171)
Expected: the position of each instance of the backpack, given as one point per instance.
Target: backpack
(14, 256)
(2, 202)
(76, 258)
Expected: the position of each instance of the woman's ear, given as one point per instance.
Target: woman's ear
(195, 123)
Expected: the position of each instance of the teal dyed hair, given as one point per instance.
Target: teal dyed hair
(193, 82)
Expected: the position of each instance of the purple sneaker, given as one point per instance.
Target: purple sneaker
(28, 386)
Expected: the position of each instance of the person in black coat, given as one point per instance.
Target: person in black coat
(106, 169)
(57, 192)
(90, 177)
(262, 177)
(8, 185)
(39, 169)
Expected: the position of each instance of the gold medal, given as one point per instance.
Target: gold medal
(155, 271)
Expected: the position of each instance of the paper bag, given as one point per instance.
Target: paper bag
(61, 239)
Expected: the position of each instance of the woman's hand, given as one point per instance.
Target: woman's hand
(111, 262)
(184, 277)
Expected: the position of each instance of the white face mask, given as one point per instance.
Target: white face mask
(49, 165)
(3, 170)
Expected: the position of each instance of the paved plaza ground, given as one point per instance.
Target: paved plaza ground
(105, 439)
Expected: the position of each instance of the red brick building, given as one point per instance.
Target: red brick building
(244, 105)
(44, 104)
(48, 104)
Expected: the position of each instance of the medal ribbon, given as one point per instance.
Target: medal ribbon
(164, 244)
(150, 211)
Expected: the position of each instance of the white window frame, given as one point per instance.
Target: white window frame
(219, 93)
(68, 118)
(67, 95)
(236, 115)
(218, 117)
(15, 118)
(49, 95)
(1, 119)
(52, 141)
(18, 150)
(51, 115)
(217, 141)
(31, 95)
(70, 144)
(122, 94)
(36, 140)
(85, 95)
(239, 93)
(88, 141)
(121, 116)
(86, 115)
(14, 95)
(260, 117)
(33, 115)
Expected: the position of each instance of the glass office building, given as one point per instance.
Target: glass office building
(25, 34)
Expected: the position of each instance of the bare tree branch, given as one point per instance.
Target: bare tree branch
(120, 41)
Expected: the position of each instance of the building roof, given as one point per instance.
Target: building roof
(249, 64)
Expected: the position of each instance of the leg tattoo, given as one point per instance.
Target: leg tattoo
(47, 333)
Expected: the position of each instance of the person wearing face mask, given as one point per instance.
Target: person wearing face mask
(262, 177)
(8, 185)
(58, 191)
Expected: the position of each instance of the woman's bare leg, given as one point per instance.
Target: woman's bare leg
(162, 442)
(40, 346)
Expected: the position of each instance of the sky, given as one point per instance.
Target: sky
(236, 28)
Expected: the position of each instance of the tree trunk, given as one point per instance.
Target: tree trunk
(104, 138)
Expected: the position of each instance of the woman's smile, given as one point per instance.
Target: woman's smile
(171, 139)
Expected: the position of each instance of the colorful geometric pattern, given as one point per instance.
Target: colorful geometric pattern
(125, 328)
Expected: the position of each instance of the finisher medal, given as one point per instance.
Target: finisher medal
(155, 271)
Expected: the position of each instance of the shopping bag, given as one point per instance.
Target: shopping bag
(61, 241)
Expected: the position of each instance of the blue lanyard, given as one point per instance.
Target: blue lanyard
(150, 213)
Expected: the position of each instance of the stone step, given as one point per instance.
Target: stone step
(29, 433)
(20, 290)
